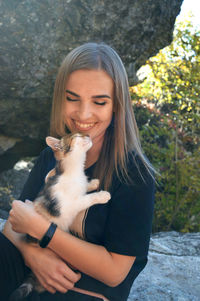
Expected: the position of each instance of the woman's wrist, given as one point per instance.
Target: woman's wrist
(39, 228)
(31, 253)
(18, 241)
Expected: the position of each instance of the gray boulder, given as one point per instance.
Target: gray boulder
(11, 184)
(36, 36)
(173, 269)
(2, 222)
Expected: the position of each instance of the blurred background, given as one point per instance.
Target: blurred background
(167, 107)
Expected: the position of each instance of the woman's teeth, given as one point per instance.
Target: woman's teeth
(84, 125)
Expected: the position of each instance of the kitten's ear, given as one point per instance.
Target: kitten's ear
(53, 143)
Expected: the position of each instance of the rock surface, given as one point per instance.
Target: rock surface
(35, 37)
(2, 222)
(11, 184)
(173, 269)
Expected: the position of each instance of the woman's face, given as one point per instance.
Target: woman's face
(89, 103)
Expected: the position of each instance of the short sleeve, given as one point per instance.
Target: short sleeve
(129, 221)
(35, 182)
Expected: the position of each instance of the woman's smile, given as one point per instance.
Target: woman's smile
(83, 126)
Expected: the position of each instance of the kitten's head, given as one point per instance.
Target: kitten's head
(61, 147)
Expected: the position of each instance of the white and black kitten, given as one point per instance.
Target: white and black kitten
(64, 194)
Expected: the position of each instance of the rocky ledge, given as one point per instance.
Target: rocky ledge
(36, 36)
(173, 269)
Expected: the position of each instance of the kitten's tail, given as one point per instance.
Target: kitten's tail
(21, 292)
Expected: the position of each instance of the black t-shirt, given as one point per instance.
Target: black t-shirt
(123, 225)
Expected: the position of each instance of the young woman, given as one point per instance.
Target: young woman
(111, 243)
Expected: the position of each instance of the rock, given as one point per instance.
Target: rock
(172, 272)
(22, 148)
(2, 222)
(7, 143)
(4, 214)
(36, 36)
(12, 182)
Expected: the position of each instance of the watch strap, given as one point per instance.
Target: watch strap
(48, 236)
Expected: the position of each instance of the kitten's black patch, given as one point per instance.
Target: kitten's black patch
(50, 203)
(52, 207)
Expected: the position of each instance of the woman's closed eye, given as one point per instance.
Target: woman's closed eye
(102, 103)
(71, 99)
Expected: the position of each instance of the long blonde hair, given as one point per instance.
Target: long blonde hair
(122, 137)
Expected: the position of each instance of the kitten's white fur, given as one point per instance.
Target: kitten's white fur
(72, 185)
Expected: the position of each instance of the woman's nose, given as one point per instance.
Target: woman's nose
(84, 111)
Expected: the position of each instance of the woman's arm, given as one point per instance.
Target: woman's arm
(91, 259)
(50, 270)
(94, 260)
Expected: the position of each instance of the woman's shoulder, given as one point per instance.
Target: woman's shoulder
(136, 178)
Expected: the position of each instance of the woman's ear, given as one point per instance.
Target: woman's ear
(54, 143)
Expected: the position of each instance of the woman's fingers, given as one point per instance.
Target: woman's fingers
(65, 279)
(59, 277)
(69, 274)
(52, 272)
(47, 287)
(28, 202)
(61, 285)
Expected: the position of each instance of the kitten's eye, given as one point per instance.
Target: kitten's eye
(100, 103)
(71, 99)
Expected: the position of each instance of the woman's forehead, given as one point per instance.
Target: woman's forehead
(95, 78)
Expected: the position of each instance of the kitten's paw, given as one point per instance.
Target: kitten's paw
(104, 196)
(93, 184)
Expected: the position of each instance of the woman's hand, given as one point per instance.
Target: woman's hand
(51, 271)
(24, 218)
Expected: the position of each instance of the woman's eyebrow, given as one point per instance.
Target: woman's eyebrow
(72, 93)
(101, 96)
(95, 96)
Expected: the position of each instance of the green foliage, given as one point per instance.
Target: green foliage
(167, 108)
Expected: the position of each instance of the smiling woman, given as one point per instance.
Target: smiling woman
(89, 105)
(108, 243)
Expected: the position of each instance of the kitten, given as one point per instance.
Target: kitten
(64, 194)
